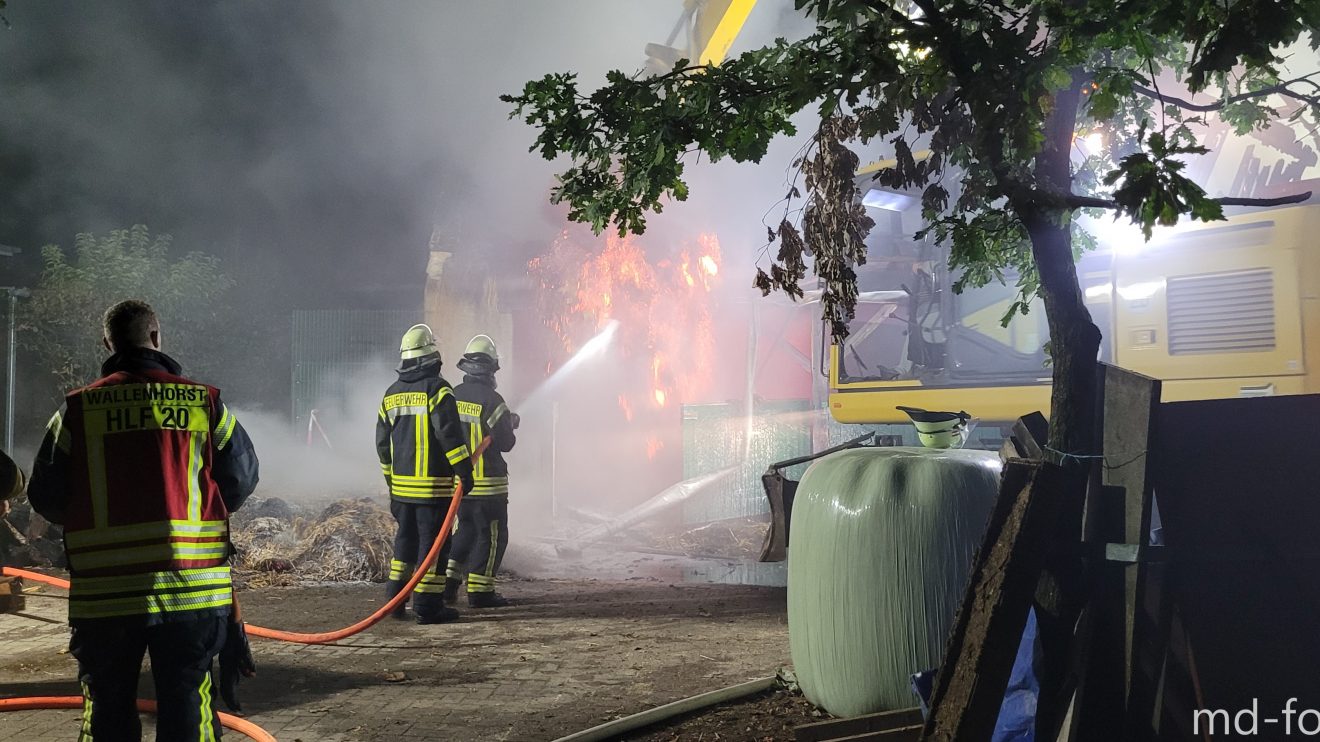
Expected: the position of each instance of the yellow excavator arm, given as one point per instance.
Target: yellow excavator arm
(703, 34)
(717, 25)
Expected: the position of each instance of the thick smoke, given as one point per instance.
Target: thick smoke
(314, 146)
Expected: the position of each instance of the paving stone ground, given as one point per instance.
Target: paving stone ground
(569, 655)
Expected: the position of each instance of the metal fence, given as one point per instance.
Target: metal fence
(333, 344)
(715, 437)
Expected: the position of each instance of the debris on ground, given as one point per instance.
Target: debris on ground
(734, 537)
(29, 540)
(731, 538)
(282, 544)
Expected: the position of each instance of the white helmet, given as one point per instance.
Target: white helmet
(940, 429)
(482, 344)
(417, 342)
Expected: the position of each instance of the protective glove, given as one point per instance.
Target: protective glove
(515, 419)
(467, 483)
(235, 663)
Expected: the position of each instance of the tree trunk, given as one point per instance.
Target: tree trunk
(1074, 339)
(1074, 351)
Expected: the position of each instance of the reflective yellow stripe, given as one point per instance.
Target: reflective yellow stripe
(207, 728)
(469, 412)
(85, 733)
(500, 411)
(151, 394)
(458, 454)
(403, 399)
(474, 440)
(149, 554)
(160, 581)
(477, 583)
(126, 408)
(494, 548)
(421, 447)
(400, 570)
(142, 531)
(421, 494)
(96, 482)
(225, 428)
(150, 604)
(439, 396)
(422, 484)
(421, 481)
(432, 582)
(442, 485)
(194, 475)
(60, 434)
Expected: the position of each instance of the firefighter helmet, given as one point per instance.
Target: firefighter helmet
(482, 344)
(417, 342)
(939, 429)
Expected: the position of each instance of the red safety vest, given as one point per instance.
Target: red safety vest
(146, 530)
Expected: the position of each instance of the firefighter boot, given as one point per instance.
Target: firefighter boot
(487, 600)
(443, 614)
(451, 590)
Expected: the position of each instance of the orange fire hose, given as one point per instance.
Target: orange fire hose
(242, 726)
(325, 637)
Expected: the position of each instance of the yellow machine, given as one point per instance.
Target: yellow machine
(1226, 309)
(703, 34)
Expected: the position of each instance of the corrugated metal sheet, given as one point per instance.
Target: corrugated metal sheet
(713, 439)
(332, 343)
(1221, 313)
(713, 436)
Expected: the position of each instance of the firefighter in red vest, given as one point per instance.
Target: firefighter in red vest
(142, 467)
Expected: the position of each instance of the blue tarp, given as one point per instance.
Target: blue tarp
(1017, 715)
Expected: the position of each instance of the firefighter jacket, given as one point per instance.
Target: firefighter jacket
(142, 468)
(419, 438)
(484, 413)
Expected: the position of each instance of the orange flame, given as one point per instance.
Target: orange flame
(663, 308)
(653, 447)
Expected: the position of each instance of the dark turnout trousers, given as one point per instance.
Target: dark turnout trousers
(483, 535)
(109, 653)
(419, 524)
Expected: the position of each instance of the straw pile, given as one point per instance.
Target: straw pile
(348, 541)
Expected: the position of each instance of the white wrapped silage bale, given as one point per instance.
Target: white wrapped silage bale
(881, 544)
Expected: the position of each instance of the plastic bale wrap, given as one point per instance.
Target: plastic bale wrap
(881, 545)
